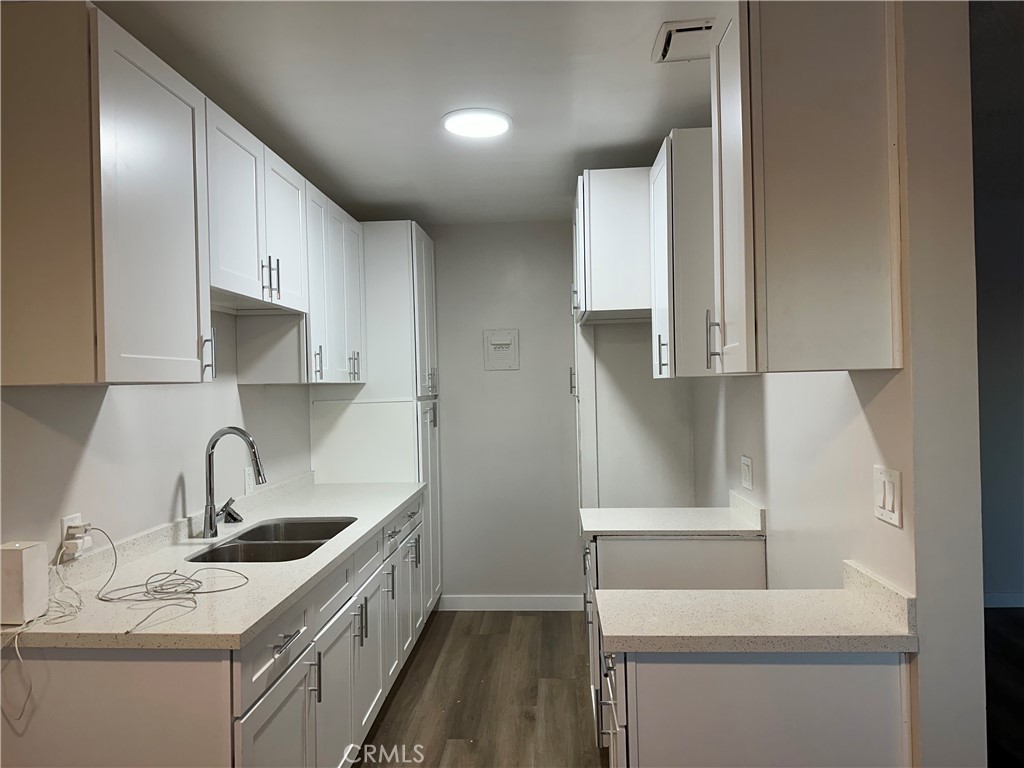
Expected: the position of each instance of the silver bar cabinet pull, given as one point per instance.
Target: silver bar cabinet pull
(707, 337)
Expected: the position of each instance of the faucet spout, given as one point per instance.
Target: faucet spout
(210, 512)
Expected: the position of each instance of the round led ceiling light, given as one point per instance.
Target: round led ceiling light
(477, 123)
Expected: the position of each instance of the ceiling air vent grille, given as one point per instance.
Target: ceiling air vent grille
(683, 41)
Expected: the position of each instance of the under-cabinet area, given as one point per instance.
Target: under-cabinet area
(561, 384)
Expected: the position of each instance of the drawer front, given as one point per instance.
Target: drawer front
(368, 558)
(401, 525)
(271, 652)
(332, 593)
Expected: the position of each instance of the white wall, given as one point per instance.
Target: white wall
(644, 440)
(508, 445)
(129, 458)
(814, 439)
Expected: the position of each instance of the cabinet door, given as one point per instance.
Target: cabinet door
(429, 473)
(693, 256)
(338, 365)
(335, 649)
(426, 334)
(151, 261)
(367, 660)
(286, 234)
(662, 320)
(316, 256)
(733, 216)
(392, 650)
(406, 636)
(433, 535)
(419, 584)
(355, 302)
(237, 236)
(278, 731)
(579, 279)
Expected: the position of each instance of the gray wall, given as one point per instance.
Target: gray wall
(129, 458)
(508, 441)
(997, 83)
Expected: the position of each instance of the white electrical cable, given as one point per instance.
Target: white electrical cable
(169, 588)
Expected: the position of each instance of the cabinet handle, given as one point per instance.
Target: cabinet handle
(263, 284)
(586, 559)
(278, 270)
(433, 415)
(572, 381)
(212, 341)
(574, 298)
(366, 617)
(414, 545)
(707, 337)
(392, 534)
(279, 650)
(359, 366)
(319, 371)
(390, 590)
(662, 365)
(358, 633)
(319, 677)
(419, 559)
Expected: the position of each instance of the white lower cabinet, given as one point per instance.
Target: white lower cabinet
(277, 732)
(650, 562)
(322, 706)
(334, 650)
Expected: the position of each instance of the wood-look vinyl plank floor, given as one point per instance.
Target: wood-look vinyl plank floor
(494, 689)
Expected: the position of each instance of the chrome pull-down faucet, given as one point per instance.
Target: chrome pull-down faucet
(210, 515)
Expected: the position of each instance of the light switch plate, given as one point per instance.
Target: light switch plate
(888, 495)
(747, 472)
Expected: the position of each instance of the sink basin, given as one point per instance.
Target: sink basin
(296, 529)
(235, 551)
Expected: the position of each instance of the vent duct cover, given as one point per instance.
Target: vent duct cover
(683, 41)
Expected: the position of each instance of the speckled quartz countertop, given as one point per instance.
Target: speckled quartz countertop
(740, 518)
(230, 619)
(866, 616)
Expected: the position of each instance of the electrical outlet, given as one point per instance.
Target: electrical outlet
(66, 522)
(888, 492)
(747, 472)
(250, 481)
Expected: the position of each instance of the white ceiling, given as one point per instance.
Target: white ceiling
(352, 94)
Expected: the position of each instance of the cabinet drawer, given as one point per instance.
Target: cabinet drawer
(270, 653)
(681, 563)
(331, 593)
(368, 558)
(401, 525)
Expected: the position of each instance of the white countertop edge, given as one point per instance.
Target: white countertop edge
(741, 518)
(761, 644)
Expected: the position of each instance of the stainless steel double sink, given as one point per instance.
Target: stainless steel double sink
(275, 541)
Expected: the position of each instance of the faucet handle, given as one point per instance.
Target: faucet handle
(229, 513)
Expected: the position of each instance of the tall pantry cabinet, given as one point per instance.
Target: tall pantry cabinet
(387, 429)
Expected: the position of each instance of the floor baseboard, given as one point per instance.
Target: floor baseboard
(510, 603)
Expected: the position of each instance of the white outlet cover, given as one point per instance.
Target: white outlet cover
(888, 495)
(65, 523)
(747, 472)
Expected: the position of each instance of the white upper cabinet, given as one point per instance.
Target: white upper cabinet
(579, 293)
(682, 256)
(355, 300)
(258, 220)
(285, 234)
(316, 258)
(613, 272)
(427, 384)
(732, 339)
(806, 135)
(237, 205)
(125, 275)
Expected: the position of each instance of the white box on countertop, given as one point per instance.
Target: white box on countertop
(26, 589)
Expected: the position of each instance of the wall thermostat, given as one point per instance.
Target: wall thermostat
(501, 350)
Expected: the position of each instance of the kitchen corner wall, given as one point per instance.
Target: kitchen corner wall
(508, 443)
(813, 439)
(129, 458)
